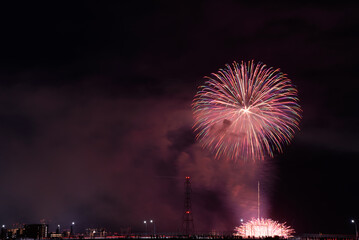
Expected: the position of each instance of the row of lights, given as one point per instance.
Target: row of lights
(73, 223)
(154, 226)
(58, 226)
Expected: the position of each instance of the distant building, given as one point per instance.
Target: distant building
(3, 233)
(95, 232)
(55, 235)
(66, 233)
(15, 232)
(36, 231)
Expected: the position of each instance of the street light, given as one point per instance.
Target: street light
(356, 229)
(241, 220)
(72, 228)
(145, 222)
(154, 226)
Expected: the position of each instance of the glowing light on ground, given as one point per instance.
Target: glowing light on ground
(263, 227)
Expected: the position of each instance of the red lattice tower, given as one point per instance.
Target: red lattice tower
(188, 225)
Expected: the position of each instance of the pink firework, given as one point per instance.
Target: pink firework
(262, 227)
(246, 111)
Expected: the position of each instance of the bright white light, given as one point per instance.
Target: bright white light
(73, 223)
(244, 110)
(262, 227)
(353, 221)
(151, 221)
(3, 226)
(241, 220)
(144, 222)
(58, 226)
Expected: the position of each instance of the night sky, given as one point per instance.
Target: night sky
(96, 120)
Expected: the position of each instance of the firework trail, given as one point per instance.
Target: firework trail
(264, 228)
(247, 111)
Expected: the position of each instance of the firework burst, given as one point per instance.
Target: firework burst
(259, 228)
(246, 111)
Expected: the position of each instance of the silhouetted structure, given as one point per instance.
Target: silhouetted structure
(188, 225)
(3, 233)
(36, 231)
(72, 232)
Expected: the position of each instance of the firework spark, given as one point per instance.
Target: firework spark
(259, 228)
(246, 111)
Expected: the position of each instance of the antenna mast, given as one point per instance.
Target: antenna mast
(188, 226)
(259, 200)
